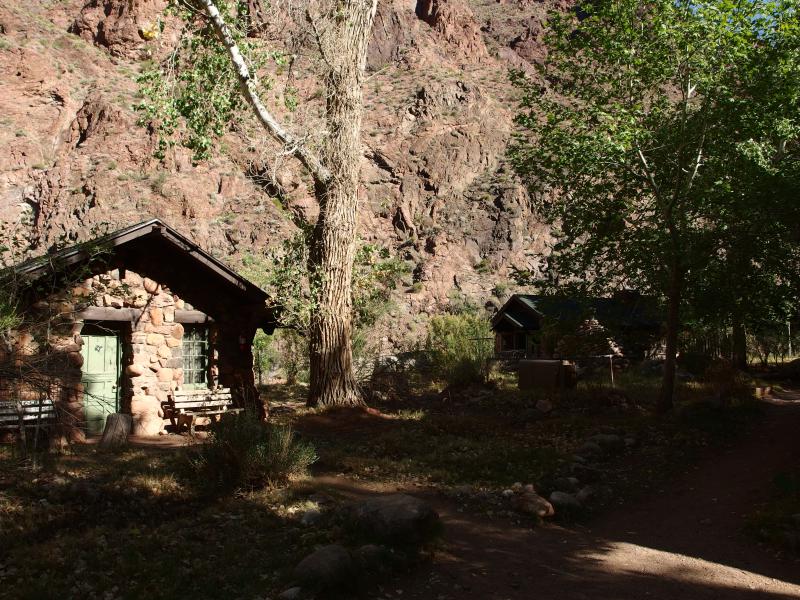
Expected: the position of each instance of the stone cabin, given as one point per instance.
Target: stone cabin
(537, 326)
(115, 324)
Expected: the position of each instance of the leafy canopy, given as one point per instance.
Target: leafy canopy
(192, 96)
(637, 134)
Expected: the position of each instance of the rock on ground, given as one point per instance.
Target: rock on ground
(399, 519)
(372, 558)
(294, 593)
(594, 494)
(311, 517)
(610, 442)
(329, 567)
(529, 502)
(564, 502)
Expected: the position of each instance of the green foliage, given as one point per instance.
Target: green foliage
(460, 345)
(294, 355)
(664, 151)
(265, 355)
(284, 273)
(243, 453)
(776, 520)
(375, 276)
(483, 267)
(500, 289)
(193, 96)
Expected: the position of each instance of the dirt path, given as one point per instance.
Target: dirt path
(683, 543)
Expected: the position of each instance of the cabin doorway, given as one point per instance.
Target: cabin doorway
(101, 377)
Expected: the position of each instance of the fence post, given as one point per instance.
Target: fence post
(22, 439)
(611, 366)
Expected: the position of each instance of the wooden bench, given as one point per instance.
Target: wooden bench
(184, 406)
(27, 414)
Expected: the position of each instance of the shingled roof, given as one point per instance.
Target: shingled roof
(156, 250)
(526, 311)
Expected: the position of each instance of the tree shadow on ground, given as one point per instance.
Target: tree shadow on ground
(119, 526)
(684, 540)
(497, 561)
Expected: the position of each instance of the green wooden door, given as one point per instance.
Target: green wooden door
(100, 379)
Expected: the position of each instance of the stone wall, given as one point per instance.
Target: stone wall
(152, 361)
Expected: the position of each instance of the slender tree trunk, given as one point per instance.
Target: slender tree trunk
(343, 43)
(739, 341)
(673, 325)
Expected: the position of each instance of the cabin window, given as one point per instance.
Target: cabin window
(195, 357)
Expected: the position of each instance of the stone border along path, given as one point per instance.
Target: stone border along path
(683, 543)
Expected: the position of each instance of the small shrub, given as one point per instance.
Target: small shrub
(726, 382)
(460, 346)
(777, 521)
(243, 453)
(500, 289)
(159, 183)
(483, 266)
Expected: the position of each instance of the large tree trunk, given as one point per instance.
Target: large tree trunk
(343, 43)
(671, 351)
(343, 31)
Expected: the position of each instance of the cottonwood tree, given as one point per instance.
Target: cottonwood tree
(751, 283)
(629, 137)
(284, 273)
(194, 85)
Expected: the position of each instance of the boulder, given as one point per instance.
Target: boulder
(530, 503)
(590, 448)
(372, 558)
(146, 413)
(155, 339)
(157, 317)
(594, 495)
(397, 518)
(564, 502)
(150, 285)
(329, 567)
(610, 442)
(135, 369)
(293, 593)
(311, 516)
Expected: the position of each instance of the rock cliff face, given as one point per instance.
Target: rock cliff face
(436, 188)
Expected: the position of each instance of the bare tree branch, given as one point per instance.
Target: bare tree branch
(247, 82)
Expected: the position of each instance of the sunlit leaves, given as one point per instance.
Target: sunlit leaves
(637, 133)
(192, 96)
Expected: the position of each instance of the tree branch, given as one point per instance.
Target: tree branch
(318, 37)
(294, 145)
(648, 173)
